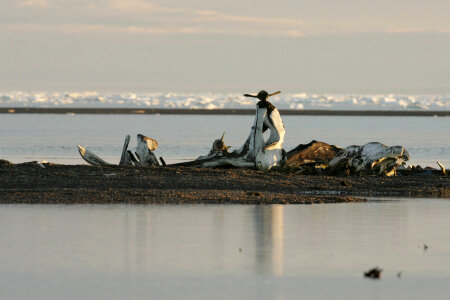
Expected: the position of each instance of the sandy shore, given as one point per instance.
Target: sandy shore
(180, 111)
(70, 184)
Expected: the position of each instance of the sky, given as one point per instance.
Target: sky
(328, 46)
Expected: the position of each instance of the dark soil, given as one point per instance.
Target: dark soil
(32, 183)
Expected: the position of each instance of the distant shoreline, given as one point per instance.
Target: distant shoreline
(226, 111)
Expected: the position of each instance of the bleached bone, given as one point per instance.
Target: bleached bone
(145, 146)
(125, 159)
(133, 159)
(238, 162)
(152, 144)
(371, 156)
(91, 158)
(218, 149)
(270, 153)
(444, 172)
(313, 152)
(256, 152)
(219, 144)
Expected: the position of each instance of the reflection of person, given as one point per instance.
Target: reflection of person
(270, 153)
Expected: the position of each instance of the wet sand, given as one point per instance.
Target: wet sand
(74, 184)
(225, 111)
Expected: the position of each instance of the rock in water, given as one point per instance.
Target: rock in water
(374, 273)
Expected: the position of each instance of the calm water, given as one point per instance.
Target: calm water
(192, 252)
(54, 137)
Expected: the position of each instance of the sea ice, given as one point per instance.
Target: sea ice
(297, 101)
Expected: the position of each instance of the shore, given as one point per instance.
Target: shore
(76, 184)
(181, 111)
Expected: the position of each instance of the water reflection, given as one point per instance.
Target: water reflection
(142, 253)
(170, 239)
(269, 238)
(162, 252)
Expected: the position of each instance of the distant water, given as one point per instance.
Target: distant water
(216, 101)
(226, 251)
(182, 137)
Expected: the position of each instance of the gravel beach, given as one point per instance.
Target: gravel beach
(74, 184)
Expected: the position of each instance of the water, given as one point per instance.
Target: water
(193, 251)
(182, 137)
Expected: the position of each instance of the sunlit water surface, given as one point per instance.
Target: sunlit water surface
(182, 137)
(226, 251)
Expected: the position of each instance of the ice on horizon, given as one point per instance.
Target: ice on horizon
(300, 101)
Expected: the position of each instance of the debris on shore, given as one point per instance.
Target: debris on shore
(374, 273)
(31, 183)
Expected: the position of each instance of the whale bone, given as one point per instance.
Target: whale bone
(144, 151)
(371, 157)
(91, 158)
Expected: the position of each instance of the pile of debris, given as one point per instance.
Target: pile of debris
(313, 158)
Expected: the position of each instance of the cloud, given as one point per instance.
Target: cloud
(213, 16)
(201, 17)
(146, 30)
(183, 20)
(216, 22)
(144, 17)
(187, 28)
(28, 3)
(401, 30)
(137, 6)
(404, 30)
(147, 18)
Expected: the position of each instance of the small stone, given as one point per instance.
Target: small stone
(257, 194)
(5, 163)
